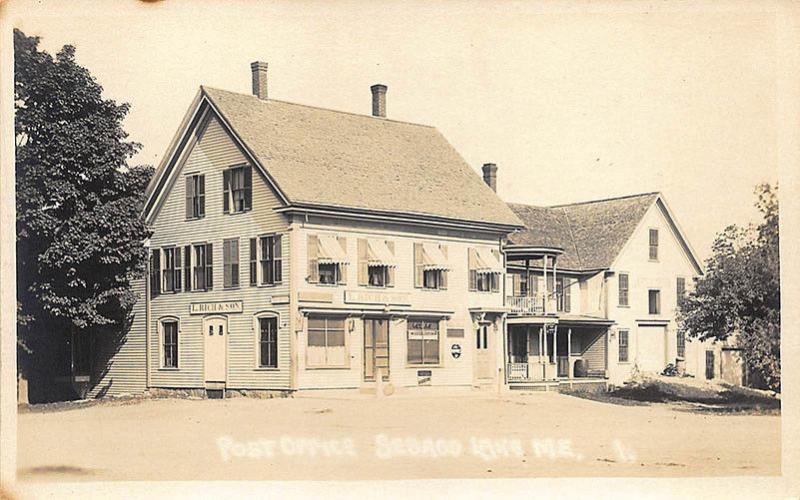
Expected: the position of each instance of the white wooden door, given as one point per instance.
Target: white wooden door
(484, 354)
(215, 331)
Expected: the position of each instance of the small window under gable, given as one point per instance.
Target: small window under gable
(653, 244)
(237, 189)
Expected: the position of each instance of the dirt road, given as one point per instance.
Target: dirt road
(400, 437)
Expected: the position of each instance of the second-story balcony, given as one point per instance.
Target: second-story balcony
(538, 304)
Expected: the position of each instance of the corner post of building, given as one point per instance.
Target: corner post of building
(541, 351)
(570, 373)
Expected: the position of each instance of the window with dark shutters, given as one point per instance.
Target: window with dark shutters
(155, 272)
(253, 261)
(271, 261)
(187, 267)
(195, 196)
(237, 189)
(230, 263)
(203, 267)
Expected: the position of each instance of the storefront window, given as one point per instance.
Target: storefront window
(423, 342)
(326, 342)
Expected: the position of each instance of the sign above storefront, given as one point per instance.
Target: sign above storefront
(455, 351)
(377, 297)
(229, 307)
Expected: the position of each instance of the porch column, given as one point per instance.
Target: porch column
(569, 353)
(544, 272)
(555, 348)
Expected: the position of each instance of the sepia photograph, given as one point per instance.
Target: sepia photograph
(424, 249)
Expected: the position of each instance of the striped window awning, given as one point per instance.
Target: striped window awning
(486, 262)
(379, 255)
(330, 250)
(433, 258)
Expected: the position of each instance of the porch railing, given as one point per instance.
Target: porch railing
(533, 305)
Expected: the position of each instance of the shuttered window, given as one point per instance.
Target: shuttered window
(681, 343)
(155, 272)
(623, 289)
(321, 268)
(172, 270)
(237, 189)
(253, 261)
(169, 330)
(230, 263)
(654, 301)
(268, 342)
(654, 244)
(195, 196)
(271, 260)
(187, 267)
(623, 346)
(203, 270)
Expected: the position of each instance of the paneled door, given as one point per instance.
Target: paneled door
(484, 354)
(376, 348)
(215, 331)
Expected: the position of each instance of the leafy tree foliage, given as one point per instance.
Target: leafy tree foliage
(79, 233)
(740, 292)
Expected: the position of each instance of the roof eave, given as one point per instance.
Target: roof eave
(407, 217)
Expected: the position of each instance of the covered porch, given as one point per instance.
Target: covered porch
(572, 349)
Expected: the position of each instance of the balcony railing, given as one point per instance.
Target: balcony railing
(539, 304)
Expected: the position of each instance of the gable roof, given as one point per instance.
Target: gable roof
(591, 233)
(322, 158)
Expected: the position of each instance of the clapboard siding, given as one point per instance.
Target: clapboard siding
(595, 351)
(119, 362)
(215, 151)
(457, 299)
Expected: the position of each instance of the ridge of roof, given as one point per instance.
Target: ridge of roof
(602, 200)
(320, 108)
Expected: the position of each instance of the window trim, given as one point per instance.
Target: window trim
(259, 272)
(679, 335)
(650, 246)
(346, 331)
(658, 312)
(195, 174)
(627, 290)
(627, 346)
(438, 364)
(161, 321)
(244, 166)
(257, 340)
(205, 266)
(237, 262)
(678, 296)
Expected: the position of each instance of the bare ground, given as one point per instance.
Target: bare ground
(355, 436)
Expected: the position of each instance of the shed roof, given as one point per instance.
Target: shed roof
(591, 233)
(336, 159)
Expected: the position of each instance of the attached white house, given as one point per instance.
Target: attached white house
(593, 293)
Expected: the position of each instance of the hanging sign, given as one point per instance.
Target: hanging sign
(455, 351)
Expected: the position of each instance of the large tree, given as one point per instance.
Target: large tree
(79, 233)
(740, 293)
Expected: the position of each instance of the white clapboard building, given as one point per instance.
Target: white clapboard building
(300, 248)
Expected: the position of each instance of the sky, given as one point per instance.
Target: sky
(573, 102)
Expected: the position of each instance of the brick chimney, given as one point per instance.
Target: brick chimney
(490, 175)
(259, 69)
(378, 100)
